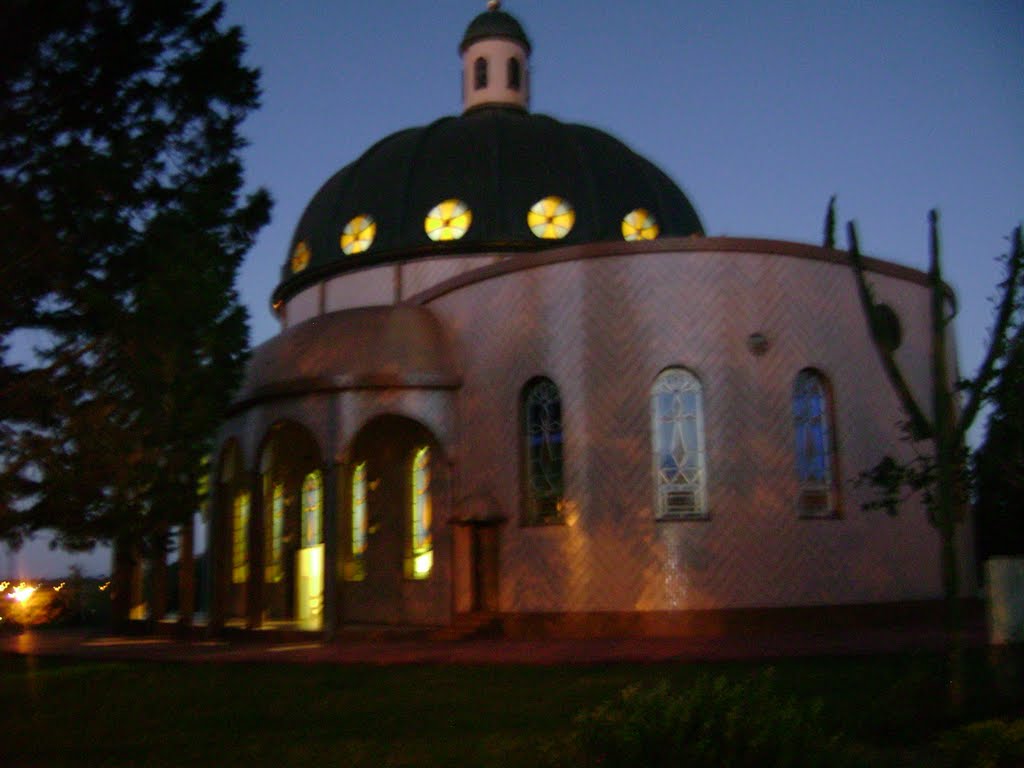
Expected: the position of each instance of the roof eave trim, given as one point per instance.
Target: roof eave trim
(299, 387)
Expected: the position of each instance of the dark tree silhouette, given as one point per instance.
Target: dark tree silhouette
(999, 461)
(124, 227)
(940, 423)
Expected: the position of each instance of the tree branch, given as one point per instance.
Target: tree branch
(997, 342)
(920, 427)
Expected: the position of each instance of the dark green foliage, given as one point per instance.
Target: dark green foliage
(713, 723)
(279, 714)
(121, 212)
(999, 462)
(894, 482)
(988, 744)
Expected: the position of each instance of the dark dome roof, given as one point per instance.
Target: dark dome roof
(500, 162)
(494, 24)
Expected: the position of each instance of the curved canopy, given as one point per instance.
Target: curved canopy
(399, 346)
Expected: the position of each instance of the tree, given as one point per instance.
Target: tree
(939, 470)
(999, 462)
(120, 202)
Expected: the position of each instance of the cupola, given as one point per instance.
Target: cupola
(495, 61)
(495, 179)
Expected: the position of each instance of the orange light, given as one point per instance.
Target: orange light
(22, 593)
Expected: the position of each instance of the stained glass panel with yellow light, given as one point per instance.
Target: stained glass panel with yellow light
(358, 234)
(639, 224)
(355, 569)
(240, 539)
(312, 505)
(300, 256)
(551, 218)
(448, 220)
(421, 560)
(275, 535)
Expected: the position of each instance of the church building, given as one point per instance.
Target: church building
(516, 383)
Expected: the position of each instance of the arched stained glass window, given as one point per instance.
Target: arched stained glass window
(815, 461)
(677, 428)
(544, 489)
(356, 570)
(275, 535)
(480, 74)
(312, 506)
(240, 539)
(551, 218)
(515, 77)
(420, 561)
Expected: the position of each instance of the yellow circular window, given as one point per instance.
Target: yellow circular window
(551, 218)
(639, 224)
(448, 220)
(358, 234)
(300, 256)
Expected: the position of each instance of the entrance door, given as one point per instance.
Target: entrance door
(476, 566)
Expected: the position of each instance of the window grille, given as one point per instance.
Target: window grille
(543, 465)
(677, 428)
(812, 420)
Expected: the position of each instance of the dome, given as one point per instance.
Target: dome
(487, 177)
(494, 23)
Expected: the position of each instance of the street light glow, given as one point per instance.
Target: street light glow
(22, 593)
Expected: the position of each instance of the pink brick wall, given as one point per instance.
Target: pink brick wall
(602, 329)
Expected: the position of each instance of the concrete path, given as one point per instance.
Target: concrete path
(396, 650)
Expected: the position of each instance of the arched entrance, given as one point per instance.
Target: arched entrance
(291, 483)
(395, 546)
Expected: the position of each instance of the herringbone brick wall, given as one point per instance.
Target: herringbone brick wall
(602, 329)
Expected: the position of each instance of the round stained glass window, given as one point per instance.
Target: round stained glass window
(639, 224)
(448, 220)
(300, 257)
(551, 218)
(358, 234)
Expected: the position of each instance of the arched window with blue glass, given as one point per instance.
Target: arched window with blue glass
(677, 429)
(815, 453)
(543, 480)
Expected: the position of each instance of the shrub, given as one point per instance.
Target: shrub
(988, 744)
(715, 723)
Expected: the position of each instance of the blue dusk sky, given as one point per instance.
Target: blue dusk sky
(760, 111)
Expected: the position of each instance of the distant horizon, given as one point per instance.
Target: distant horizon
(57, 564)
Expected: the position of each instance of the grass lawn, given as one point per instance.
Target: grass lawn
(71, 712)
